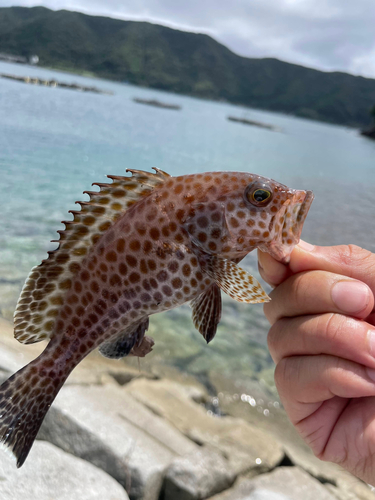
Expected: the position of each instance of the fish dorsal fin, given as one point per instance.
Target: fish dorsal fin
(207, 312)
(45, 288)
(233, 280)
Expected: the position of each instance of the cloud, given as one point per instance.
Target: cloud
(325, 34)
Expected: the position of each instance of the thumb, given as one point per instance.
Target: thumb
(347, 260)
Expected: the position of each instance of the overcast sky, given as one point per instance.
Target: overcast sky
(324, 34)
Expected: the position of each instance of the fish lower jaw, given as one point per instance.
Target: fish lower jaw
(280, 251)
(302, 212)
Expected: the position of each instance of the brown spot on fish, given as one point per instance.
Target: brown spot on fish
(131, 260)
(135, 245)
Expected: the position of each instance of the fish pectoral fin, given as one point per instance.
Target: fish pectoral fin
(233, 280)
(207, 226)
(124, 342)
(207, 312)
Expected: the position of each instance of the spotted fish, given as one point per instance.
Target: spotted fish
(143, 244)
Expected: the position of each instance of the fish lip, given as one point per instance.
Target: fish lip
(276, 249)
(302, 214)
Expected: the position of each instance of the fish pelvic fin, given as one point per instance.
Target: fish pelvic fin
(25, 399)
(207, 312)
(126, 341)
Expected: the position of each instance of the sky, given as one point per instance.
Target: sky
(330, 35)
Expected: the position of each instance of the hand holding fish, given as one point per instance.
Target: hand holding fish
(322, 340)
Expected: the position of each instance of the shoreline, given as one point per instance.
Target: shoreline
(88, 74)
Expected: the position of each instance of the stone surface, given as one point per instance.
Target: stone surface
(284, 483)
(245, 446)
(230, 398)
(340, 494)
(343, 481)
(51, 474)
(197, 476)
(108, 427)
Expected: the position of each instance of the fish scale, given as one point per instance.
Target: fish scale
(141, 245)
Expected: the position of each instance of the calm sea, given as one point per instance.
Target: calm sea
(55, 142)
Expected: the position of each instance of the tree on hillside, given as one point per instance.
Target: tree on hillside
(372, 112)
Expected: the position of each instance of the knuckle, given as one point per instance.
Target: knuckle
(301, 288)
(351, 256)
(285, 372)
(273, 338)
(280, 373)
(329, 325)
(331, 328)
(268, 308)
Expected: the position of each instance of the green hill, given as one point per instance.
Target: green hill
(193, 64)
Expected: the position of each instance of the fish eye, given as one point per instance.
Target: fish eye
(258, 194)
(261, 195)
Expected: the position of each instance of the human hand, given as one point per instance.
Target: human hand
(322, 340)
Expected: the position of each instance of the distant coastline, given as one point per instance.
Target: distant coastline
(54, 83)
(185, 63)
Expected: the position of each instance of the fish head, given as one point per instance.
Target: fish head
(285, 227)
(264, 214)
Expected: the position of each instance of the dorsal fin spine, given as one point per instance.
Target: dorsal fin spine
(124, 190)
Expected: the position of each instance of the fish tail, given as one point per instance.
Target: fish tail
(24, 401)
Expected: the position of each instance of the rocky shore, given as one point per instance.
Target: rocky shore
(118, 431)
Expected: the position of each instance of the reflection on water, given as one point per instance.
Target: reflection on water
(54, 143)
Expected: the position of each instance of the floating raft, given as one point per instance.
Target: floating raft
(158, 104)
(252, 122)
(54, 83)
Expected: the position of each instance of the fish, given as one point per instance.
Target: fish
(144, 243)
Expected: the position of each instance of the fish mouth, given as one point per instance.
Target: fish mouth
(302, 211)
(298, 208)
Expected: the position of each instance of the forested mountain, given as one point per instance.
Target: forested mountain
(188, 63)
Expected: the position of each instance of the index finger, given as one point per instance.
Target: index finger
(274, 272)
(346, 260)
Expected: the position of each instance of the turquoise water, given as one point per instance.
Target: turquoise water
(55, 142)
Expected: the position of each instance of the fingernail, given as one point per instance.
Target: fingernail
(350, 296)
(306, 246)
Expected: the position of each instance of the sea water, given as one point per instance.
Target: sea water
(54, 143)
